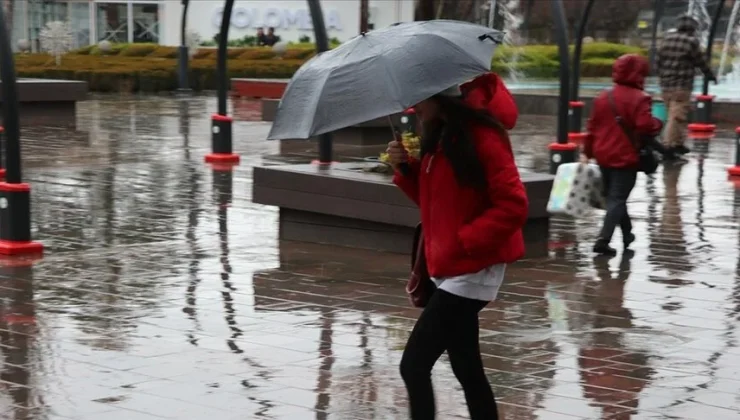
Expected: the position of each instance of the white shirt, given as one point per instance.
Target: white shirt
(482, 285)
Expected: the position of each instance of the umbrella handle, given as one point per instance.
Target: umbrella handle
(403, 167)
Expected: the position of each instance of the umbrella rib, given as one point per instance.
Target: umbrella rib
(394, 82)
(317, 100)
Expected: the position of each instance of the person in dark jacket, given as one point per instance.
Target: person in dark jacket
(678, 58)
(610, 145)
(473, 207)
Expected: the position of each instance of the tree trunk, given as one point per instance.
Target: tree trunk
(364, 15)
(425, 10)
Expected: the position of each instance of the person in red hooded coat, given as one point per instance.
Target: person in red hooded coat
(473, 206)
(615, 148)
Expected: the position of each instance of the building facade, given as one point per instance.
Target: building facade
(159, 21)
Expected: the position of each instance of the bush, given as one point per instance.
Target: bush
(607, 50)
(138, 50)
(165, 52)
(133, 74)
(151, 68)
(259, 53)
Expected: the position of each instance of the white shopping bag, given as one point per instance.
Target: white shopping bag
(577, 188)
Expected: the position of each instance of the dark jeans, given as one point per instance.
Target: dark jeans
(618, 184)
(448, 322)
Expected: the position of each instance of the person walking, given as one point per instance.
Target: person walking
(678, 58)
(473, 206)
(621, 121)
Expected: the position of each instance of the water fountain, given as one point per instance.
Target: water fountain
(698, 10)
(733, 28)
(509, 11)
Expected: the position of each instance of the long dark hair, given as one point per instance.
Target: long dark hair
(454, 135)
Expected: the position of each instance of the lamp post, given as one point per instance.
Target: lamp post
(322, 45)
(561, 151)
(15, 196)
(575, 111)
(183, 53)
(222, 154)
(703, 127)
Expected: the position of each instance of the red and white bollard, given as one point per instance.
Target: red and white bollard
(734, 171)
(222, 156)
(575, 118)
(2, 169)
(702, 128)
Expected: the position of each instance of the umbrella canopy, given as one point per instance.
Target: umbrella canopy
(380, 73)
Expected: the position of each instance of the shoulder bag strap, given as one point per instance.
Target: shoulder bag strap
(618, 118)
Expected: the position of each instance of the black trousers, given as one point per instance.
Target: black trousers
(450, 323)
(618, 184)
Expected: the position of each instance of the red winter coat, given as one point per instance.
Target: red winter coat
(467, 230)
(607, 142)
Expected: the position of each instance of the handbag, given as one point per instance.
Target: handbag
(420, 286)
(647, 162)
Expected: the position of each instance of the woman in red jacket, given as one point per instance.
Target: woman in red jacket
(473, 207)
(616, 148)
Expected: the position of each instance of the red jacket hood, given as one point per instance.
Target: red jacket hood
(630, 70)
(489, 92)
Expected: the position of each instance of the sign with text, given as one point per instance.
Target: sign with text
(244, 18)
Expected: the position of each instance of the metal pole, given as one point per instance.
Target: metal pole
(222, 154)
(575, 110)
(728, 37)
(561, 31)
(222, 79)
(580, 32)
(322, 45)
(11, 122)
(710, 39)
(658, 7)
(183, 55)
(561, 151)
(15, 196)
(734, 171)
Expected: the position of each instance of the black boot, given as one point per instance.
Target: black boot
(681, 150)
(602, 247)
(628, 239)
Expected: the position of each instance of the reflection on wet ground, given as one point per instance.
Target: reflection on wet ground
(166, 294)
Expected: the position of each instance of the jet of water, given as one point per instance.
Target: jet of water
(732, 26)
(512, 19)
(698, 10)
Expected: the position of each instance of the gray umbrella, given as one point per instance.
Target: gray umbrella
(380, 73)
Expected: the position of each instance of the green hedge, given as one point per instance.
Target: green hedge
(151, 67)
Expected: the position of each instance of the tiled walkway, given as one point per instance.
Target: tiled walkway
(166, 294)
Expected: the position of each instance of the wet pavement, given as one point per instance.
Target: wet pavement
(165, 293)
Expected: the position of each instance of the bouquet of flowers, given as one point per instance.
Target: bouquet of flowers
(412, 144)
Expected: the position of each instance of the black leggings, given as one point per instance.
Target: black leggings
(448, 322)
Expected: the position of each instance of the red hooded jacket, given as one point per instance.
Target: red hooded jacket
(607, 141)
(467, 230)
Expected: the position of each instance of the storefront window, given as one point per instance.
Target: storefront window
(20, 29)
(79, 23)
(146, 22)
(112, 22)
(39, 14)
